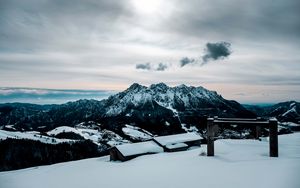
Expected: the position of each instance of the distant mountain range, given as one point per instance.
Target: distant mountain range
(159, 109)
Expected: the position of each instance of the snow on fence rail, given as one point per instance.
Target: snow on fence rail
(212, 124)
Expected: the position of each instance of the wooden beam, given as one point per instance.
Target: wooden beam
(239, 119)
(242, 122)
(210, 137)
(257, 132)
(113, 154)
(273, 138)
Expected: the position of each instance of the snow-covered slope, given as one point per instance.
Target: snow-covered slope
(238, 163)
(285, 111)
(31, 135)
(136, 133)
(95, 135)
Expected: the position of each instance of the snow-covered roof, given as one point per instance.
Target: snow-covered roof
(139, 148)
(177, 138)
(177, 145)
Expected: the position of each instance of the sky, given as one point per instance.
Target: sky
(245, 50)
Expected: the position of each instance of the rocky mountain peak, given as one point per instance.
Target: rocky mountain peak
(159, 85)
(135, 87)
(179, 98)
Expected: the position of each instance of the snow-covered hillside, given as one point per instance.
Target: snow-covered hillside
(284, 112)
(95, 135)
(32, 135)
(238, 163)
(136, 133)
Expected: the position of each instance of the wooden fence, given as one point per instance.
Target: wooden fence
(213, 123)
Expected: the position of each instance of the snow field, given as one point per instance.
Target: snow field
(238, 163)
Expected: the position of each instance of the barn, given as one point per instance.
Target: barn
(126, 152)
(178, 142)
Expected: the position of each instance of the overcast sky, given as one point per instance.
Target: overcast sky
(110, 44)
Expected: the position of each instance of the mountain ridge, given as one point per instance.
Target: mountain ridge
(288, 111)
(150, 108)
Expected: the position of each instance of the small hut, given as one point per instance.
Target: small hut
(129, 151)
(178, 142)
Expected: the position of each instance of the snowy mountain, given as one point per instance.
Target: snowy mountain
(285, 112)
(179, 98)
(163, 110)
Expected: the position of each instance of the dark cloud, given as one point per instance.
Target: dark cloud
(185, 61)
(36, 25)
(151, 67)
(215, 51)
(145, 66)
(161, 67)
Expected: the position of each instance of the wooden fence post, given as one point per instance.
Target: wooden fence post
(273, 137)
(257, 132)
(258, 129)
(210, 137)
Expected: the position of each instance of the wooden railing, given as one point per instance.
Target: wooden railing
(272, 124)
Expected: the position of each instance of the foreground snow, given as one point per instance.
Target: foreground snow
(238, 163)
